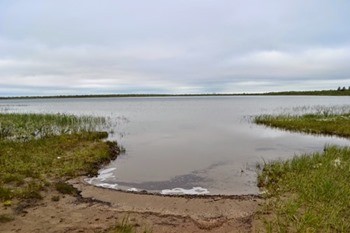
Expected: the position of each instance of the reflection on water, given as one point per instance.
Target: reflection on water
(175, 144)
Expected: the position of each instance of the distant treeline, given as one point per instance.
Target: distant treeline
(116, 95)
(341, 91)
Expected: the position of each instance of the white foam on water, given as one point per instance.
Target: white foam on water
(108, 170)
(193, 191)
(106, 185)
(104, 176)
(133, 190)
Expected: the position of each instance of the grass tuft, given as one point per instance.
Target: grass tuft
(65, 188)
(55, 198)
(126, 227)
(6, 218)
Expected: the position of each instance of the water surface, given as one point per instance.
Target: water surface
(191, 144)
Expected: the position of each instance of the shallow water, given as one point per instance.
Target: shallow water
(191, 145)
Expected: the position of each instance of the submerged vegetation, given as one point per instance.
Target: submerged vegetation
(309, 193)
(41, 151)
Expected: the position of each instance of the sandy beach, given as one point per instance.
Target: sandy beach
(98, 209)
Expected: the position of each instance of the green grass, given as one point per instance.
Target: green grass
(38, 152)
(126, 227)
(28, 167)
(24, 127)
(65, 188)
(311, 192)
(322, 123)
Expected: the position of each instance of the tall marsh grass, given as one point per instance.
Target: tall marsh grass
(34, 126)
(313, 109)
(326, 123)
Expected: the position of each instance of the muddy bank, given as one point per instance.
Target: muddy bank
(97, 209)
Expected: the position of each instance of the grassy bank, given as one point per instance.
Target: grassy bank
(39, 152)
(309, 193)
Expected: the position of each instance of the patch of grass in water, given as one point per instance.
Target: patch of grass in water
(33, 126)
(325, 123)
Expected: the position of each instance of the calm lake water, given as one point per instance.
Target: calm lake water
(191, 144)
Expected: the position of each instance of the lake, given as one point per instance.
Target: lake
(205, 145)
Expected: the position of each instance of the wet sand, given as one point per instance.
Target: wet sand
(97, 209)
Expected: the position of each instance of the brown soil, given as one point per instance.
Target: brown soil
(98, 209)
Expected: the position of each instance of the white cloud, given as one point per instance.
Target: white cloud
(172, 46)
(269, 58)
(304, 63)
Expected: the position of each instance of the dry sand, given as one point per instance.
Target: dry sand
(98, 209)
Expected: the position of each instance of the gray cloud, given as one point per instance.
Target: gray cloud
(193, 46)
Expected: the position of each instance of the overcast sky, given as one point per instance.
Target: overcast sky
(172, 46)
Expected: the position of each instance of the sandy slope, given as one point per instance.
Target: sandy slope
(98, 209)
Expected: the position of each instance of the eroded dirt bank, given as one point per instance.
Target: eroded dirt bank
(98, 209)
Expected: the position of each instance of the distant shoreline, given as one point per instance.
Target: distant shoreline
(290, 93)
